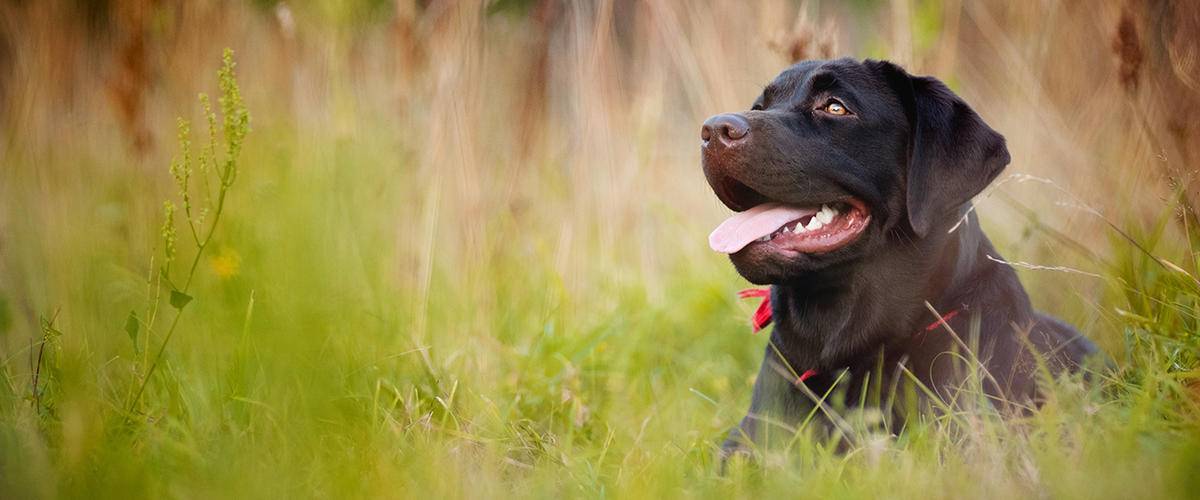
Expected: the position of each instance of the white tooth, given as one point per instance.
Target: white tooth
(825, 215)
(814, 224)
(765, 238)
(799, 227)
(785, 230)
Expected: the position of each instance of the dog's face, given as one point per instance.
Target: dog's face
(839, 160)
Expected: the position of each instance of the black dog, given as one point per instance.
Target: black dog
(853, 182)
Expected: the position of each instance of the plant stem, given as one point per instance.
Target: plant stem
(137, 396)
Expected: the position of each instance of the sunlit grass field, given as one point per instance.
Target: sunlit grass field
(459, 257)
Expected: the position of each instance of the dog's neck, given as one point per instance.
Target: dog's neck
(864, 314)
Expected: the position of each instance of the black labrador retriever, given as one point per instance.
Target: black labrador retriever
(852, 185)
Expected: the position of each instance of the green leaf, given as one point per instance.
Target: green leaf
(131, 327)
(179, 299)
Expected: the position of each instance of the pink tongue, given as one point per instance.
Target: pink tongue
(744, 227)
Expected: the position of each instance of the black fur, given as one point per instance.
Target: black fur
(916, 154)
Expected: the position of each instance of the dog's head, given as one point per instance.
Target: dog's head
(837, 160)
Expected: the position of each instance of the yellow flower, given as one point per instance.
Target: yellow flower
(225, 263)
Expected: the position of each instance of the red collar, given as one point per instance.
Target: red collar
(762, 318)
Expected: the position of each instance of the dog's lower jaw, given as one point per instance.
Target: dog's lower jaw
(802, 270)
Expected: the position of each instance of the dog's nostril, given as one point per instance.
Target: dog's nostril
(729, 128)
(734, 132)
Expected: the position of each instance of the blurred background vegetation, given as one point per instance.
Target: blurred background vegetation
(465, 252)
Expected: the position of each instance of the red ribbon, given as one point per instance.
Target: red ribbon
(762, 315)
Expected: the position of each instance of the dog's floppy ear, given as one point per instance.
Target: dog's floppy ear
(952, 153)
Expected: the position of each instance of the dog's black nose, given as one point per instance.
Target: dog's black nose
(724, 130)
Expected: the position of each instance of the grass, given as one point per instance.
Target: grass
(404, 304)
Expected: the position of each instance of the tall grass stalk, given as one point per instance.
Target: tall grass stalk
(236, 124)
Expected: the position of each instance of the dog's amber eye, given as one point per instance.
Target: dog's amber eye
(836, 108)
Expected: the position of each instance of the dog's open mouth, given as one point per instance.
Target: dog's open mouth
(800, 229)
